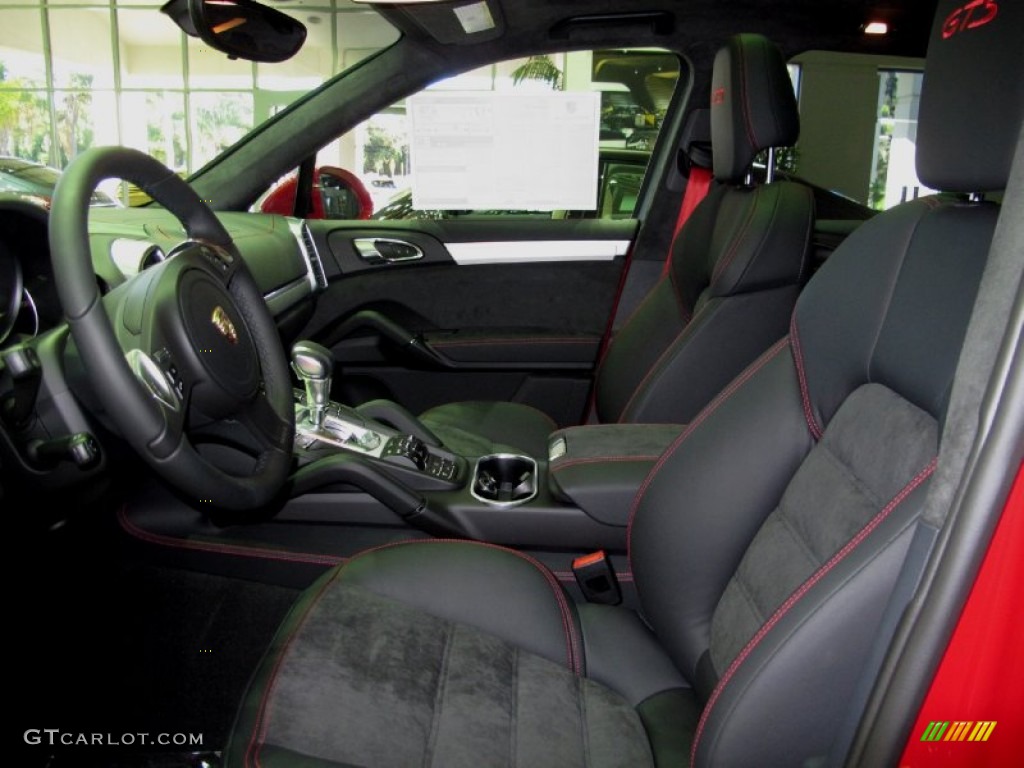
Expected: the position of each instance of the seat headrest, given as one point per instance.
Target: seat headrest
(972, 98)
(753, 106)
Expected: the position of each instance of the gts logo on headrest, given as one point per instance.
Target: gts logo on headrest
(976, 13)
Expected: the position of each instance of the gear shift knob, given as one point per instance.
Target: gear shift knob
(314, 365)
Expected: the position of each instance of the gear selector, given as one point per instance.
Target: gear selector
(314, 365)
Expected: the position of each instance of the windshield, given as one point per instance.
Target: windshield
(90, 72)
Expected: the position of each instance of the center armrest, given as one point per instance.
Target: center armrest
(600, 467)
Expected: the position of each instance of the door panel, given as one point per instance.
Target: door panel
(507, 310)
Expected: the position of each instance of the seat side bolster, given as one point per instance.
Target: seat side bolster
(707, 496)
(794, 686)
(726, 335)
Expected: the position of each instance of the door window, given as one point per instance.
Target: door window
(564, 135)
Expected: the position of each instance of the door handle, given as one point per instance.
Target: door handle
(386, 250)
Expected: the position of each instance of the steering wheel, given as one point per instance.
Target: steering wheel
(188, 342)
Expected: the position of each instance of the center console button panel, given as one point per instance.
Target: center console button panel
(407, 457)
(406, 449)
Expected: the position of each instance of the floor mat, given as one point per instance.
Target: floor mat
(137, 668)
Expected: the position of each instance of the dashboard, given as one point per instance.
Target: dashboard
(48, 411)
(28, 296)
(278, 250)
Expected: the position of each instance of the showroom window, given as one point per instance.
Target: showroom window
(893, 172)
(858, 125)
(561, 135)
(82, 73)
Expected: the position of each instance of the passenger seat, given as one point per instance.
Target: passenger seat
(736, 269)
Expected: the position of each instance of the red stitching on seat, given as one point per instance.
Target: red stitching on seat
(569, 578)
(722, 264)
(259, 729)
(657, 367)
(263, 553)
(684, 314)
(802, 590)
(560, 465)
(710, 408)
(572, 642)
(746, 100)
(495, 341)
(553, 425)
(805, 394)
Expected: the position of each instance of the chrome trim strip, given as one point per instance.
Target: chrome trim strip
(339, 431)
(534, 480)
(369, 249)
(531, 251)
(307, 247)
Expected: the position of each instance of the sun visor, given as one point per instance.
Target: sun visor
(463, 23)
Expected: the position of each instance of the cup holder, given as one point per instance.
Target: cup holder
(504, 479)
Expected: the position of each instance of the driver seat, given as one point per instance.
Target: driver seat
(765, 544)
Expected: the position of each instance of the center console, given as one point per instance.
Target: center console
(353, 461)
(323, 427)
(347, 429)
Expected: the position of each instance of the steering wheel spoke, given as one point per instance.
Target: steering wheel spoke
(265, 424)
(171, 437)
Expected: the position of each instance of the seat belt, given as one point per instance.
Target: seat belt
(697, 187)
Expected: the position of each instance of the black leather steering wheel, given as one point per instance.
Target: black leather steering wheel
(188, 342)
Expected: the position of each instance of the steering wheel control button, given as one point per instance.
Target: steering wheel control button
(217, 258)
(166, 362)
(153, 378)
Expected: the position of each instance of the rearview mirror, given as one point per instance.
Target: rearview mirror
(243, 29)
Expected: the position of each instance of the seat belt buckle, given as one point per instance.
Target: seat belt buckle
(596, 578)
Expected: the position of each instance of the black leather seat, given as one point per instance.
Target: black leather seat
(762, 594)
(737, 266)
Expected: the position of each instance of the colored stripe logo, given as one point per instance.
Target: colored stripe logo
(959, 730)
